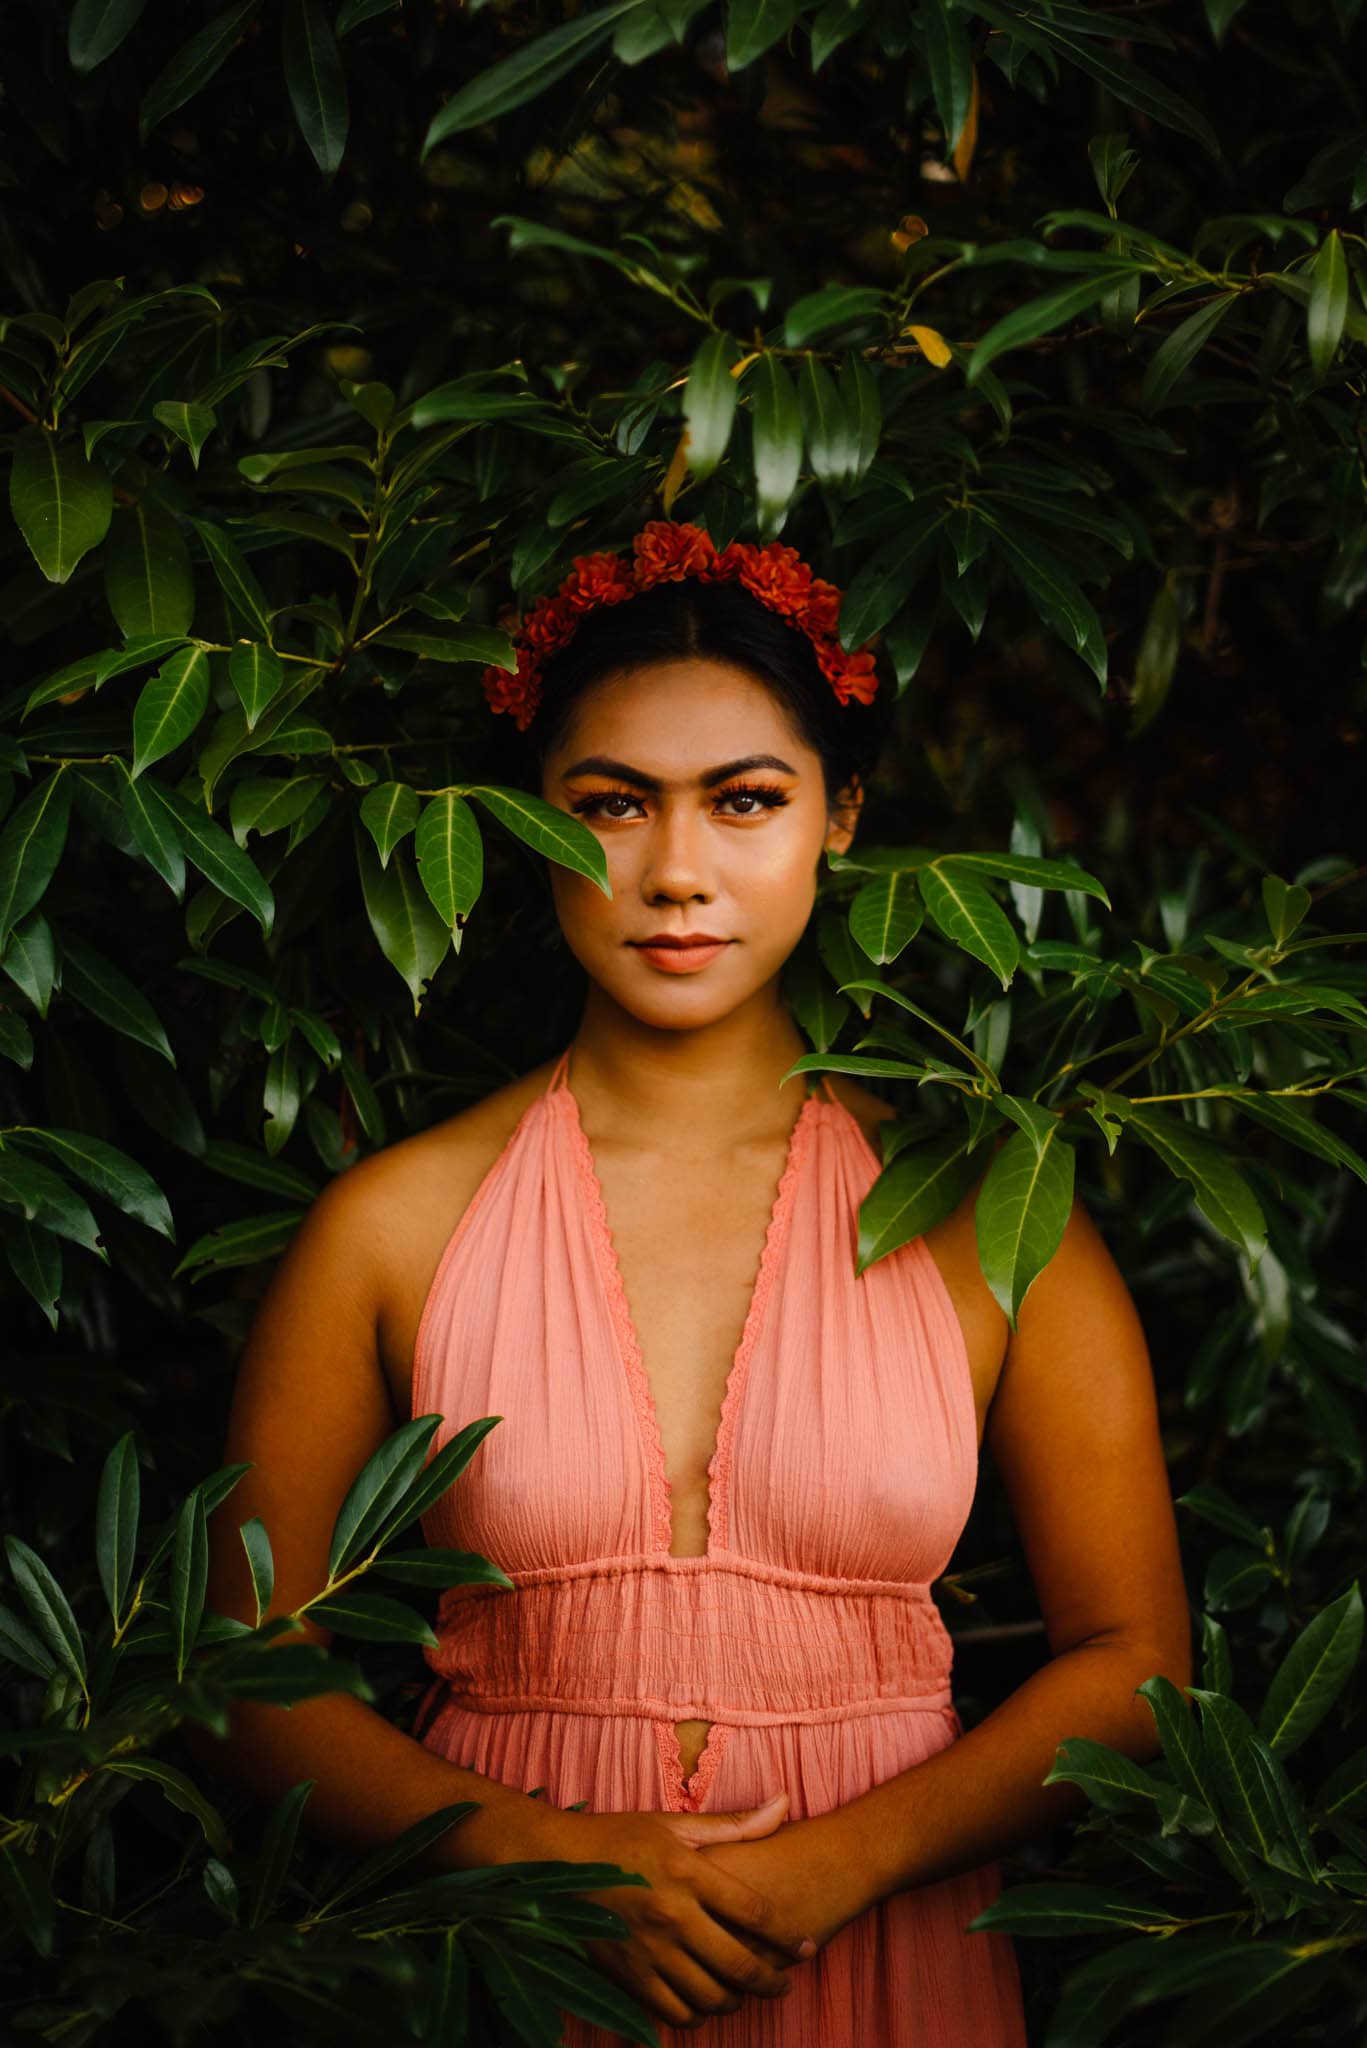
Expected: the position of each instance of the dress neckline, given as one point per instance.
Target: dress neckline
(559, 1093)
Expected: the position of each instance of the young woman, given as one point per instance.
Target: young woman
(728, 1470)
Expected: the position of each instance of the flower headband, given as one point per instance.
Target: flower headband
(666, 551)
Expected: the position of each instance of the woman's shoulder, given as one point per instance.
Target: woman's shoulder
(400, 1206)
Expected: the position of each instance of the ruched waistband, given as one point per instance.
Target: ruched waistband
(714, 1638)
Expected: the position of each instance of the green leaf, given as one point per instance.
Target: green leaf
(214, 854)
(527, 73)
(260, 1563)
(1039, 316)
(886, 915)
(181, 1791)
(439, 1568)
(115, 1522)
(832, 448)
(435, 1478)
(1056, 595)
(1070, 1909)
(1180, 1736)
(236, 580)
(470, 643)
(450, 855)
(1031, 869)
(106, 991)
(1222, 1194)
(1327, 308)
(1312, 1674)
(1110, 1779)
(950, 55)
(753, 26)
(777, 438)
(189, 1578)
(316, 82)
(1300, 1128)
(883, 584)
(709, 403)
(384, 1862)
(372, 1618)
(1248, 1783)
(104, 1168)
(277, 1847)
(27, 1892)
(189, 423)
(44, 1198)
(969, 916)
(1178, 350)
(546, 829)
(170, 706)
(1133, 87)
(919, 1189)
(410, 934)
(828, 310)
(1285, 906)
(1155, 664)
(96, 29)
(389, 812)
(378, 1487)
(49, 1607)
(256, 674)
(193, 65)
(62, 502)
(1023, 1207)
(20, 1647)
(30, 847)
(147, 576)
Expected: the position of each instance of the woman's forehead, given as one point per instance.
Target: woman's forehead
(693, 711)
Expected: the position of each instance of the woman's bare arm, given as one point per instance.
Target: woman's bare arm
(310, 1406)
(1074, 1430)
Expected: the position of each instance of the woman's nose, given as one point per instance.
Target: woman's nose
(677, 862)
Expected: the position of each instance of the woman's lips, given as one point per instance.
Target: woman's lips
(680, 957)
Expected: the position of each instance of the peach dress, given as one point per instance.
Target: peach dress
(843, 1473)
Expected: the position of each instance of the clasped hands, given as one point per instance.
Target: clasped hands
(733, 1900)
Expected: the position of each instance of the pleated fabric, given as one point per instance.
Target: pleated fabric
(806, 1634)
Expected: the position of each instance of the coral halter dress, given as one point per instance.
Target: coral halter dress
(844, 1470)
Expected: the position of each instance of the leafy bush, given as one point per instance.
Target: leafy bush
(336, 329)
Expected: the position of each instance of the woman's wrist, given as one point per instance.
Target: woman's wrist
(511, 1827)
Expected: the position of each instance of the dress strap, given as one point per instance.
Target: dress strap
(831, 1095)
(560, 1073)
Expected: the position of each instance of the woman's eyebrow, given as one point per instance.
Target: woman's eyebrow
(601, 764)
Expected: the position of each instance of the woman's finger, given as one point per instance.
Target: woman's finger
(734, 1962)
(728, 1897)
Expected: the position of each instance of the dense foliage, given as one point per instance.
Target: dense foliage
(333, 332)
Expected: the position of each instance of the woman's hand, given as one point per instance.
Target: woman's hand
(702, 1936)
(810, 1869)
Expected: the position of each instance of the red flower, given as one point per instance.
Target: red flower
(667, 550)
(823, 606)
(780, 578)
(597, 579)
(849, 675)
(549, 625)
(519, 693)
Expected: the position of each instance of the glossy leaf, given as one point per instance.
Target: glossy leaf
(372, 1618)
(1327, 310)
(170, 706)
(62, 502)
(277, 1847)
(922, 1186)
(181, 1791)
(381, 1483)
(236, 580)
(777, 438)
(106, 1169)
(547, 829)
(1023, 1208)
(256, 674)
(147, 575)
(31, 846)
(524, 75)
(194, 64)
(48, 1607)
(450, 856)
(389, 812)
(260, 1563)
(968, 916)
(709, 403)
(410, 933)
(214, 854)
(1312, 1674)
(1221, 1192)
(189, 1577)
(93, 981)
(96, 29)
(316, 81)
(115, 1522)
(886, 915)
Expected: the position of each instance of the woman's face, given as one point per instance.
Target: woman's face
(713, 815)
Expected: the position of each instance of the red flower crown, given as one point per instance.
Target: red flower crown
(666, 551)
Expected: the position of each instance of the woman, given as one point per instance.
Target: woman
(728, 1469)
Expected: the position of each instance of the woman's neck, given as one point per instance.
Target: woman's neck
(687, 1090)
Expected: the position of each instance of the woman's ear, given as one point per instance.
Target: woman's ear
(844, 816)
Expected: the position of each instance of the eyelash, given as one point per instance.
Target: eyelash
(770, 799)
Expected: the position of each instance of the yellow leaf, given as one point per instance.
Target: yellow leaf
(932, 345)
(675, 474)
(746, 361)
(968, 139)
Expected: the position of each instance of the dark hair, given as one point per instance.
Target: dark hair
(722, 620)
